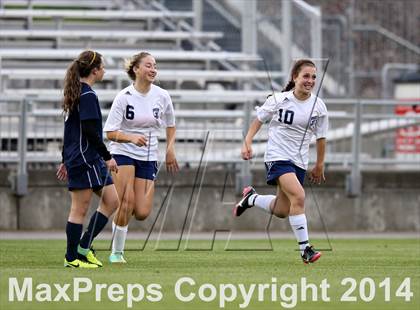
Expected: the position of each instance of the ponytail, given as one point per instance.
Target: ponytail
(79, 68)
(72, 87)
(289, 86)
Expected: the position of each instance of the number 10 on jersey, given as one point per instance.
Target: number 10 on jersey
(286, 117)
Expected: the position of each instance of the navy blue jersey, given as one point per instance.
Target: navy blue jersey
(77, 150)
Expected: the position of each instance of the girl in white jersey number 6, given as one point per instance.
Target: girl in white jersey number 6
(294, 116)
(137, 114)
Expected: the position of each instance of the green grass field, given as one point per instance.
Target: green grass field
(350, 258)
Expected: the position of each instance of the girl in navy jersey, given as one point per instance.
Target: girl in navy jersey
(137, 115)
(294, 116)
(86, 160)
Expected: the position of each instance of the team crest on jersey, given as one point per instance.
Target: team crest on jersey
(156, 112)
(313, 122)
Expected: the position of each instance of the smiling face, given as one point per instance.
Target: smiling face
(305, 80)
(146, 70)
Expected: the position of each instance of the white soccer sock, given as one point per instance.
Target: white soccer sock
(300, 229)
(120, 234)
(261, 201)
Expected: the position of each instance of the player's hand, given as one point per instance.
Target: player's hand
(112, 165)
(171, 162)
(246, 151)
(139, 140)
(62, 172)
(317, 174)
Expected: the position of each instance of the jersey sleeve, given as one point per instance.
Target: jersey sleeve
(115, 116)
(322, 124)
(168, 116)
(90, 131)
(88, 107)
(267, 110)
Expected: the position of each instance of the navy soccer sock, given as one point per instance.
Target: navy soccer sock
(96, 224)
(73, 232)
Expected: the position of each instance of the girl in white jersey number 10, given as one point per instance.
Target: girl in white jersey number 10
(137, 115)
(294, 116)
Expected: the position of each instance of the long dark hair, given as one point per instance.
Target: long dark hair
(81, 67)
(295, 72)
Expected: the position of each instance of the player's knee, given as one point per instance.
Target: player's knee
(114, 204)
(126, 208)
(80, 210)
(127, 202)
(299, 200)
(109, 207)
(141, 215)
(280, 209)
(281, 214)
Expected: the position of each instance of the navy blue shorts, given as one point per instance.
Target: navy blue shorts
(143, 169)
(278, 168)
(82, 177)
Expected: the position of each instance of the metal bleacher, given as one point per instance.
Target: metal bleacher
(94, 14)
(38, 39)
(178, 76)
(87, 4)
(33, 38)
(213, 90)
(37, 54)
(106, 34)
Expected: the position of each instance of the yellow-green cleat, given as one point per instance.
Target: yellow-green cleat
(77, 263)
(89, 256)
(117, 258)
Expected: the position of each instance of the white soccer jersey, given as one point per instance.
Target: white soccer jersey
(135, 113)
(288, 119)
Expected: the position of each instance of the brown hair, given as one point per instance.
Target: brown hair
(295, 72)
(81, 67)
(130, 63)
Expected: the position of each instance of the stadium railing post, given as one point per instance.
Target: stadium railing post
(354, 180)
(244, 176)
(21, 185)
